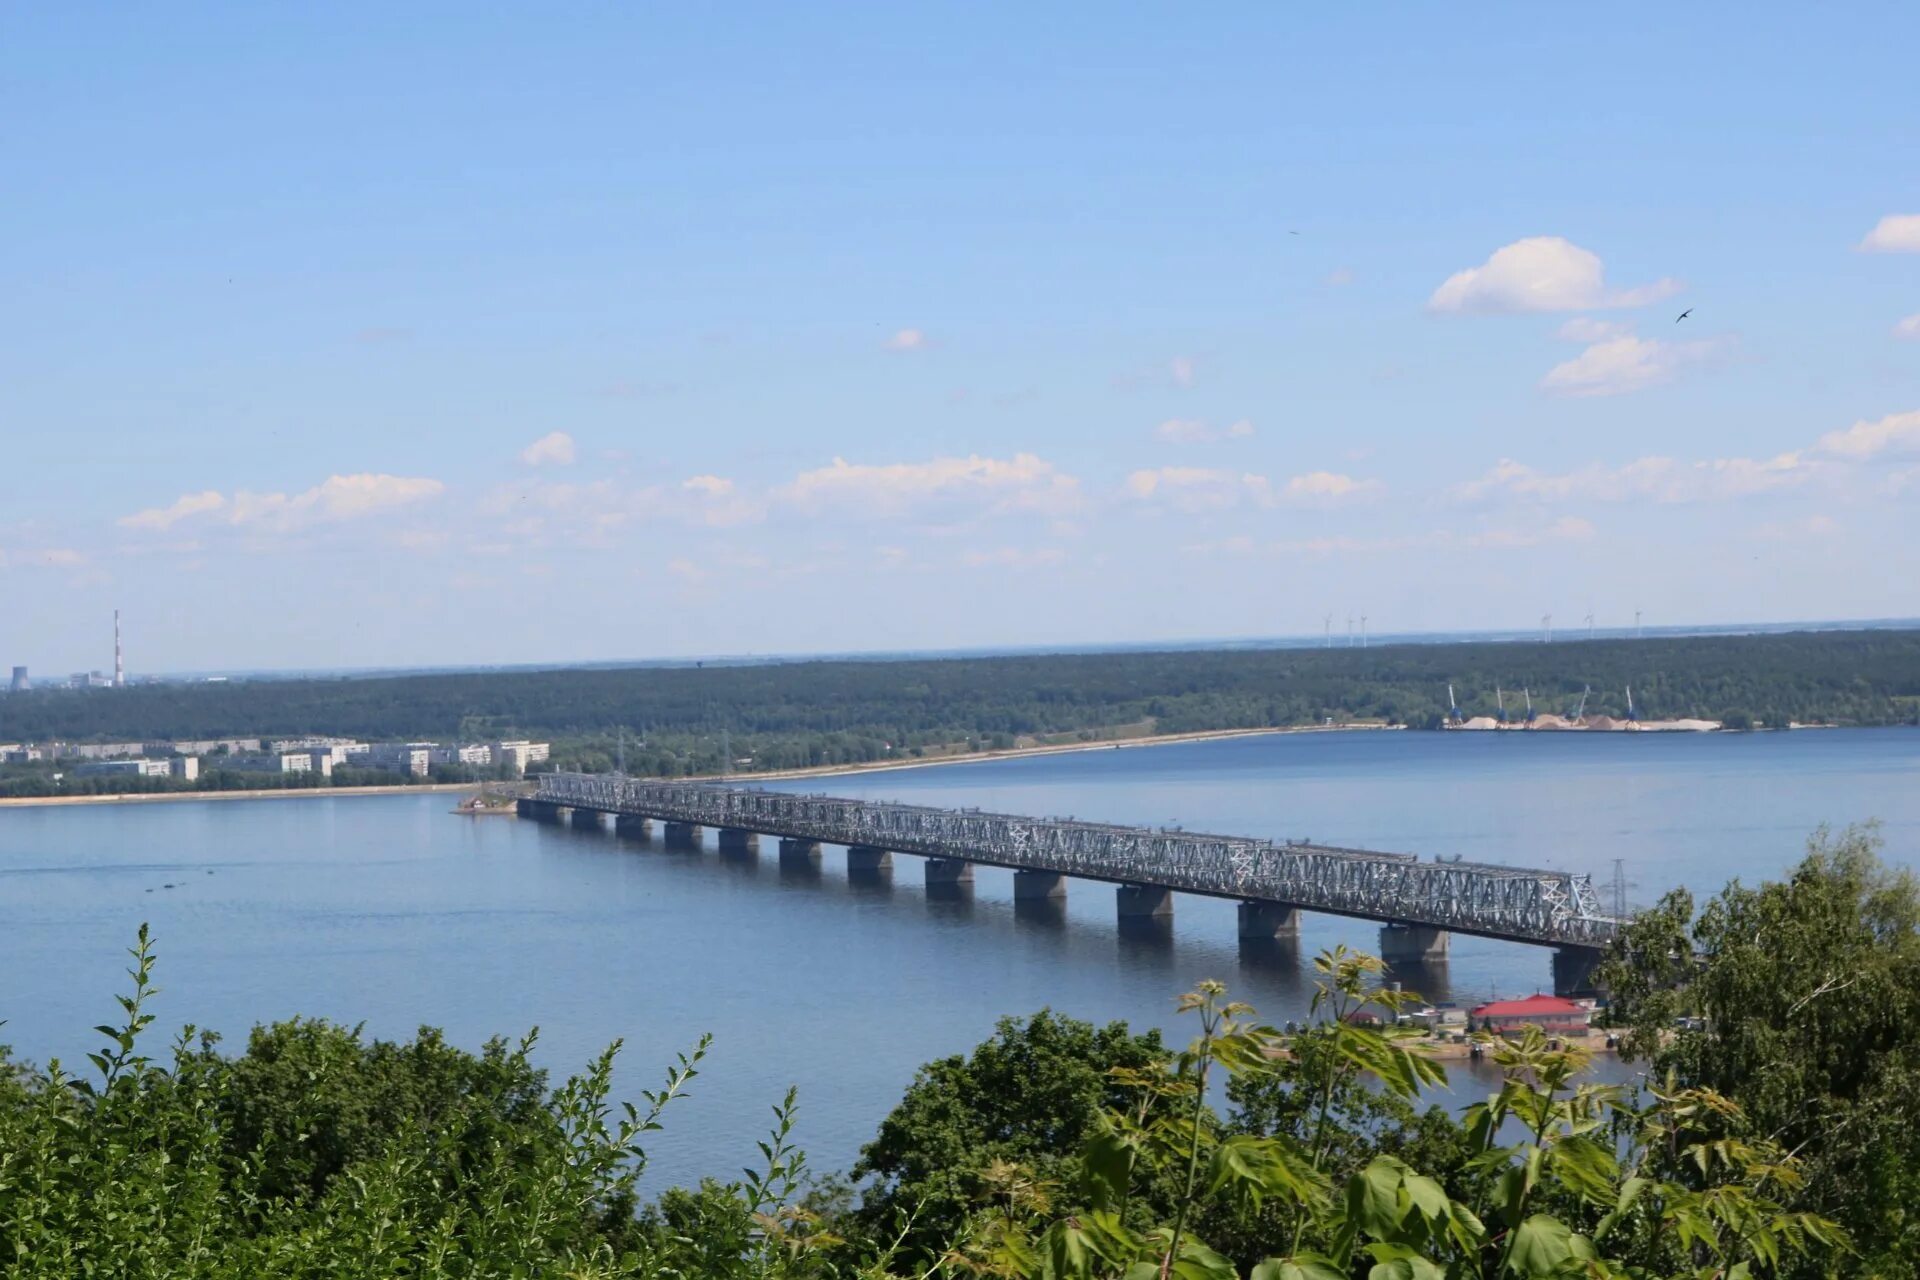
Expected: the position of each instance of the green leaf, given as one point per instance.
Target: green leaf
(1299, 1267)
(1373, 1199)
(1407, 1268)
(1545, 1246)
(1198, 1262)
(1107, 1163)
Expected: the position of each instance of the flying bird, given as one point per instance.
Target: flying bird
(1683, 315)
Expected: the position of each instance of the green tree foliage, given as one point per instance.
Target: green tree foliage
(316, 1154)
(1030, 1096)
(1577, 1194)
(1801, 1000)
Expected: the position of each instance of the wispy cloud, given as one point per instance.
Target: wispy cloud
(553, 449)
(1182, 370)
(1195, 431)
(338, 498)
(907, 340)
(1909, 327)
(1895, 233)
(973, 484)
(1652, 479)
(1673, 480)
(1199, 489)
(186, 506)
(1325, 488)
(1195, 489)
(1620, 362)
(1895, 433)
(1541, 273)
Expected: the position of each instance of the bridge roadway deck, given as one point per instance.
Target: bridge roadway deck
(1515, 904)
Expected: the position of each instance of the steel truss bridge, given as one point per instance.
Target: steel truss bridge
(1517, 904)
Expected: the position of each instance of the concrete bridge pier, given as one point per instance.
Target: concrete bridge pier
(738, 844)
(1413, 944)
(1144, 901)
(684, 835)
(589, 820)
(1267, 921)
(1039, 886)
(632, 826)
(799, 855)
(866, 860)
(538, 810)
(1573, 970)
(949, 873)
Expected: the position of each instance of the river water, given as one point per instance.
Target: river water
(392, 911)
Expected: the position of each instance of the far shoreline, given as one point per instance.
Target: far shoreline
(773, 775)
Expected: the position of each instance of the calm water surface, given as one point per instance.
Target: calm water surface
(392, 911)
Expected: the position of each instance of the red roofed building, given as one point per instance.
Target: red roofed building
(1549, 1013)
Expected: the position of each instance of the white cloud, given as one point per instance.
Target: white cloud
(1023, 482)
(1895, 233)
(1194, 489)
(1194, 431)
(1908, 328)
(1339, 277)
(1828, 461)
(1540, 273)
(1344, 544)
(553, 448)
(1587, 329)
(1182, 369)
(1013, 558)
(1565, 529)
(182, 508)
(1327, 487)
(1654, 479)
(710, 486)
(1197, 489)
(907, 340)
(1616, 365)
(686, 570)
(1895, 433)
(337, 498)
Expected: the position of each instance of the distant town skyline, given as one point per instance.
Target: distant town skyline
(364, 338)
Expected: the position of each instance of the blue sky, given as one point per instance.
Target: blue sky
(364, 335)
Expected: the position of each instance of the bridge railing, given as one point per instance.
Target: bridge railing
(1523, 904)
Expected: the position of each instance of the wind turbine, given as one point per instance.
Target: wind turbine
(1589, 626)
(1363, 631)
(1546, 624)
(1329, 631)
(1349, 631)
(1636, 624)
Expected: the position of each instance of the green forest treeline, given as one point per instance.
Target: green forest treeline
(783, 715)
(1779, 1136)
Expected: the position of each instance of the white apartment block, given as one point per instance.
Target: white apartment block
(520, 753)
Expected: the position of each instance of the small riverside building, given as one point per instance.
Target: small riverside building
(1551, 1014)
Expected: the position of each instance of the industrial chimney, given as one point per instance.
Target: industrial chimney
(119, 662)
